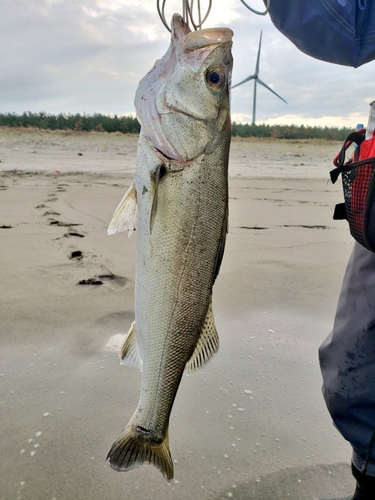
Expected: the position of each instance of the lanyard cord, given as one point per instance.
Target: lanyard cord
(189, 16)
(187, 13)
(258, 12)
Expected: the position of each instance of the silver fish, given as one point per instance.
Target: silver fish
(178, 203)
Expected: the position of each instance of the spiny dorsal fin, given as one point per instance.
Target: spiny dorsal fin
(124, 217)
(207, 345)
(129, 351)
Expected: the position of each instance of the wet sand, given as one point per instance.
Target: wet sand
(250, 425)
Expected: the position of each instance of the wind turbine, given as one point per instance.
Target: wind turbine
(256, 79)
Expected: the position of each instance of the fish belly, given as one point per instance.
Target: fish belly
(176, 266)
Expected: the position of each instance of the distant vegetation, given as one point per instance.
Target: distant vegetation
(77, 122)
(290, 131)
(130, 125)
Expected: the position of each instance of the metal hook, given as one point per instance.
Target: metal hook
(187, 13)
(258, 11)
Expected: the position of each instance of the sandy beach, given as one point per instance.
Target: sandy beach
(252, 424)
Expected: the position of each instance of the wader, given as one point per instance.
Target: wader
(347, 360)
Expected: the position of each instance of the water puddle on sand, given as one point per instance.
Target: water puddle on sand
(114, 343)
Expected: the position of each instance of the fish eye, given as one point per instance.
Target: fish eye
(215, 78)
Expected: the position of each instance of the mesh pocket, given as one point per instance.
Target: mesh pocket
(358, 185)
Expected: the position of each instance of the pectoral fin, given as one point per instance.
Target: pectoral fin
(125, 214)
(158, 174)
(207, 345)
(129, 351)
(221, 247)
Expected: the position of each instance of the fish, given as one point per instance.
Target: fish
(178, 207)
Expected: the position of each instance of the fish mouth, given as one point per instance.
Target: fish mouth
(206, 37)
(195, 40)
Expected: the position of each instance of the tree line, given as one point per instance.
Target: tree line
(130, 125)
(290, 131)
(77, 122)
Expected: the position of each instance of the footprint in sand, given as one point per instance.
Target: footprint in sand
(104, 278)
(90, 281)
(69, 225)
(305, 226)
(73, 233)
(63, 224)
(76, 255)
(50, 212)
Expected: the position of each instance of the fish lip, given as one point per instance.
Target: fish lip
(207, 37)
(199, 39)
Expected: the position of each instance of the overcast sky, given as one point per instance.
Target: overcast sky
(88, 56)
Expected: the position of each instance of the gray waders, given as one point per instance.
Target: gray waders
(347, 360)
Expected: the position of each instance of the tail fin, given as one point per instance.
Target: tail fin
(133, 448)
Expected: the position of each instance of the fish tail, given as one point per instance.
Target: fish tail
(135, 446)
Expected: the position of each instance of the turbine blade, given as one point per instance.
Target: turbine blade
(244, 81)
(258, 57)
(273, 92)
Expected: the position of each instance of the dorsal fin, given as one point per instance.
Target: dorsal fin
(129, 351)
(207, 345)
(125, 214)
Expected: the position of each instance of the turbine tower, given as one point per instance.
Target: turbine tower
(257, 80)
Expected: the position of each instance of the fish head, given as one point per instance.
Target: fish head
(183, 103)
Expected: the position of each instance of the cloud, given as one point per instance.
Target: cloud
(89, 55)
(91, 47)
(316, 91)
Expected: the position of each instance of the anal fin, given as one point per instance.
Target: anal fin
(129, 351)
(207, 345)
